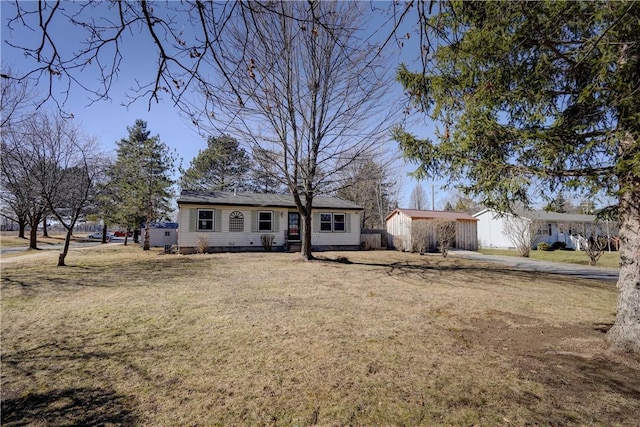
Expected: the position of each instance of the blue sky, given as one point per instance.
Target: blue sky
(107, 120)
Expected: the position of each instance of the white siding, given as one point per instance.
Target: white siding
(158, 238)
(350, 237)
(491, 231)
(188, 237)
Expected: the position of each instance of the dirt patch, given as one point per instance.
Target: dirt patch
(570, 365)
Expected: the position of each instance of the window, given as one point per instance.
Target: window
(167, 234)
(236, 222)
(205, 219)
(332, 222)
(325, 222)
(265, 221)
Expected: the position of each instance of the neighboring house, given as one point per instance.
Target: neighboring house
(230, 222)
(161, 234)
(553, 227)
(400, 222)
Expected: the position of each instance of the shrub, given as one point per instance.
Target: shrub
(542, 246)
(267, 241)
(398, 243)
(558, 245)
(203, 244)
(445, 235)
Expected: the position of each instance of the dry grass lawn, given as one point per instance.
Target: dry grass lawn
(126, 337)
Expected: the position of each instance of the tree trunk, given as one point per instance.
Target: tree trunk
(33, 233)
(45, 231)
(147, 237)
(136, 235)
(22, 225)
(104, 233)
(625, 333)
(305, 250)
(65, 249)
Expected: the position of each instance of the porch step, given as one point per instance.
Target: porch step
(295, 247)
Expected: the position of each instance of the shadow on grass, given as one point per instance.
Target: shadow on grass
(476, 269)
(33, 280)
(74, 406)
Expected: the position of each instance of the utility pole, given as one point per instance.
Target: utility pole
(433, 198)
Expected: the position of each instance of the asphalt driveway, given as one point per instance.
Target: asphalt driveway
(527, 264)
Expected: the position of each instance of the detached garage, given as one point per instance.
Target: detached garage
(401, 221)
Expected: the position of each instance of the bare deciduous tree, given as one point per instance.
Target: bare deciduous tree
(593, 242)
(422, 236)
(310, 90)
(369, 183)
(16, 99)
(523, 233)
(75, 179)
(50, 167)
(418, 199)
(445, 231)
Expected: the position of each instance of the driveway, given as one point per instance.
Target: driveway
(527, 264)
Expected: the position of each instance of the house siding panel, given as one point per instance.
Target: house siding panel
(251, 240)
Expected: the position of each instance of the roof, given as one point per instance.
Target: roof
(163, 225)
(259, 200)
(419, 214)
(549, 216)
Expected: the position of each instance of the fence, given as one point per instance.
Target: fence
(373, 239)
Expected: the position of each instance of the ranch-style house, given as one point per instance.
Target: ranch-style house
(236, 222)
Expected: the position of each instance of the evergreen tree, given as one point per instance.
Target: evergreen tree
(558, 204)
(222, 166)
(265, 176)
(141, 177)
(531, 93)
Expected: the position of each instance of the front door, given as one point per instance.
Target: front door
(294, 226)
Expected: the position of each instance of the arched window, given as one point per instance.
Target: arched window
(236, 221)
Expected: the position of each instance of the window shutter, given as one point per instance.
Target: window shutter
(193, 219)
(347, 223)
(254, 221)
(217, 222)
(276, 221)
(315, 222)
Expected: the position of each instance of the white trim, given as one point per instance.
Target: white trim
(270, 222)
(213, 220)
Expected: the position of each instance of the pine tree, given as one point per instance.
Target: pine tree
(141, 177)
(531, 93)
(222, 166)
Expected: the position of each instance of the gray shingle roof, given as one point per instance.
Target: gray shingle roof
(558, 217)
(549, 216)
(259, 200)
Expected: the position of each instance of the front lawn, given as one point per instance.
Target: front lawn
(127, 337)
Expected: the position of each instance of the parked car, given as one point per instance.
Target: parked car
(119, 233)
(98, 236)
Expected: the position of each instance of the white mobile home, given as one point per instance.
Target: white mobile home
(553, 227)
(230, 222)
